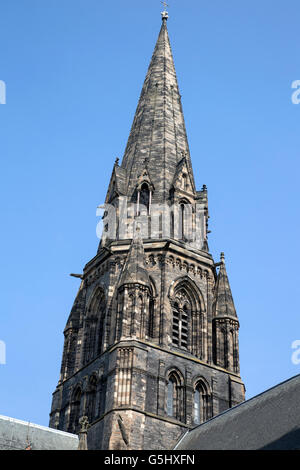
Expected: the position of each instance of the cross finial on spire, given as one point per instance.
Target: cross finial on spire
(164, 13)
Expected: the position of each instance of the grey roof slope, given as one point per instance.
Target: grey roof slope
(269, 421)
(18, 435)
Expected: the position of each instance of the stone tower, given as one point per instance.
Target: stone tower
(151, 344)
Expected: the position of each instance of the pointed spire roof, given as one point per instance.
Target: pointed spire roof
(134, 271)
(223, 302)
(158, 131)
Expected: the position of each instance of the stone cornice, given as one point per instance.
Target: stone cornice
(123, 246)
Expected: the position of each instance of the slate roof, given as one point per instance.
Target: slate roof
(22, 435)
(269, 421)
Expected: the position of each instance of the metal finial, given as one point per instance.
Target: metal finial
(164, 13)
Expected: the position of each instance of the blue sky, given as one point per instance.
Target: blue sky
(74, 70)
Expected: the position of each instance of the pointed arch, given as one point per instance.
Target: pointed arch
(189, 320)
(175, 405)
(94, 327)
(144, 197)
(91, 396)
(75, 409)
(202, 401)
(187, 283)
(183, 214)
(152, 320)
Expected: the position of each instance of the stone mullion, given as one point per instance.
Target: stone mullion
(118, 325)
(219, 344)
(117, 398)
(162, 327)
(147, 313)
(106, 330)
(127, 365)
(208, 335)
(128, 306)
(194, 333)
(231, 348)
(199, 336)
(133, 313)
(235, 351)
(143, 316)
(204, 332)
(226, 341)
(161, 389)
(189, 398)
(153, 320)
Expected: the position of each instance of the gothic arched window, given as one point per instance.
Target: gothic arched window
(182, 221)
(101, 339)
(202, 403)
(171, 399)
(181, 323)
(175, 405)
(145, 197)
(94, 327)
(90, 410)
(189, 323)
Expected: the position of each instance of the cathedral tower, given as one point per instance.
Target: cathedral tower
(151, 344)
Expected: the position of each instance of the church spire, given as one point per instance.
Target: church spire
(224, 305)
(158, 132)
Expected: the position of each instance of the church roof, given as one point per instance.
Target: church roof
(21, 435)
(223, 301)
(158, 132)
(269, 421)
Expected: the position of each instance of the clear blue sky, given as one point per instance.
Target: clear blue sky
(74, 70)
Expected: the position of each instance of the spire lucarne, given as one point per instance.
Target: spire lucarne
(151, 345)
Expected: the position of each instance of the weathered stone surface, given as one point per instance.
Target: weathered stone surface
(151, 345)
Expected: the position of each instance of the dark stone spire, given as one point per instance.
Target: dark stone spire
(158, 133)
(223, 305)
